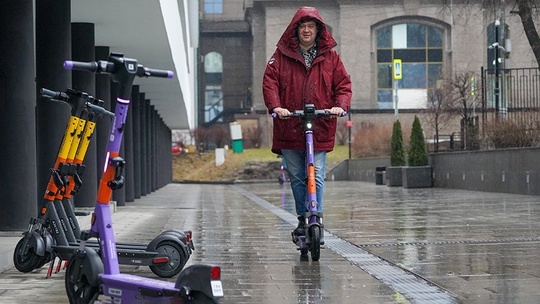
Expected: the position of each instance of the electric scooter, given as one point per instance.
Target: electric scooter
(88, 273)
(166, 254)
(314, 232)
(34, 249)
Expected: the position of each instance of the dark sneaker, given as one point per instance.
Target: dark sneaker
(301, 228)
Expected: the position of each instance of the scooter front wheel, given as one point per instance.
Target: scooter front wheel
(24, 257)
(79, 289)
(315, 247)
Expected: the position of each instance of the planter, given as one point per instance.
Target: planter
(394, 176)
(417, 177)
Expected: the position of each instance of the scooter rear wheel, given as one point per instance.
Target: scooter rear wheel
(25, 262)
(176, 260)
(315, 248)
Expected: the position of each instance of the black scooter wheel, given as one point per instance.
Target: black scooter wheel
(315, 234)
(44, 260)
(78, 287)
(177, 260)
(25, 262)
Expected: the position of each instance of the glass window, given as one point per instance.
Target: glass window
(384, 75)
(434, 37)
(416, 35)
(419, 80)
(420, 47)
(408, 55)
(434, 74)
(384, 38)
(213, 63)
(213, 6)
(384, 55)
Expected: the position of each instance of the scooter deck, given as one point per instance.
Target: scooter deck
(126, 286)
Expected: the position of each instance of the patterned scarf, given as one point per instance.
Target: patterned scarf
(309, 55)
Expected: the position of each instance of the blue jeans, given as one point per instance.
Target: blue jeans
(296, 165)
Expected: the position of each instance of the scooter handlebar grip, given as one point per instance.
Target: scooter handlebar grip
(48, 93)
(54, 94)
(158, 73)
(82, 66)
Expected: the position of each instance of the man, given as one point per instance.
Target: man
(305, 69)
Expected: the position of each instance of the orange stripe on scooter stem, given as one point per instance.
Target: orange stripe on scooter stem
(80, 152)
(311, 179)
(52, 189)
(71, 155)
(104, 191)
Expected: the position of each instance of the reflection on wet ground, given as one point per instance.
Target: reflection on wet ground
(475, 247)
(480, 246)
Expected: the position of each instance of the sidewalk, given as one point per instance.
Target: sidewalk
(383, 245)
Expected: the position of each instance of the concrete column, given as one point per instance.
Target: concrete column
(135, 110)
(144, 143)
(53, 47)
(128, 156)
(17, 115)
(151, 147)
(83, 49)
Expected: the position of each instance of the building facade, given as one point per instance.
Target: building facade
(432, 38)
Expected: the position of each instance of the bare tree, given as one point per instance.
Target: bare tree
(438, 109)
(527, 10)
(463, 101)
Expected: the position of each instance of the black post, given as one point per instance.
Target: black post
(17, 117)
(83, 49)
(53, 47)
(497, 88)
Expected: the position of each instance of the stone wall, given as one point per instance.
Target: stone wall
(505, 170)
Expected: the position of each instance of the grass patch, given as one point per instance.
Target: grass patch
(202, 166)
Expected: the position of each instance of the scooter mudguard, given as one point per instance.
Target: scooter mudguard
(87, 264)
(36, 242)
(49, 241)
(198, 277)
(182, 237)
(167, 237)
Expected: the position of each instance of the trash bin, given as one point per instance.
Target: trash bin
(379, 175)
(236, 136)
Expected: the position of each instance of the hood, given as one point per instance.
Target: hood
(288, 43)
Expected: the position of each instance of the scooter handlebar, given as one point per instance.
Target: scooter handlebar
(99, 110)
(147, 72)
(106, 67)
(54, 95)
(318, 113)
(81, 66)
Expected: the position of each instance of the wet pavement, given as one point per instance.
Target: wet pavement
(383, 244)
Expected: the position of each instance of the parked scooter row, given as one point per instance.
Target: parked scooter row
(56, 230)
(93, 267)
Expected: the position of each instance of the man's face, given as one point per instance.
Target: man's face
(307, 32)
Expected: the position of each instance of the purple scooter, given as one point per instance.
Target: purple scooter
(314, 232)
(88, 274)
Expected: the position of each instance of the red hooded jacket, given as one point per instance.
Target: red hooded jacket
(288, 83)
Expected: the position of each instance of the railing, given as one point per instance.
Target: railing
(519, 93)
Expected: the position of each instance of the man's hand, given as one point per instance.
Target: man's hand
(338, 111)
(281, 112)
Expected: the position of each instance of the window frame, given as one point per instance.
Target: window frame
(385, 47)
